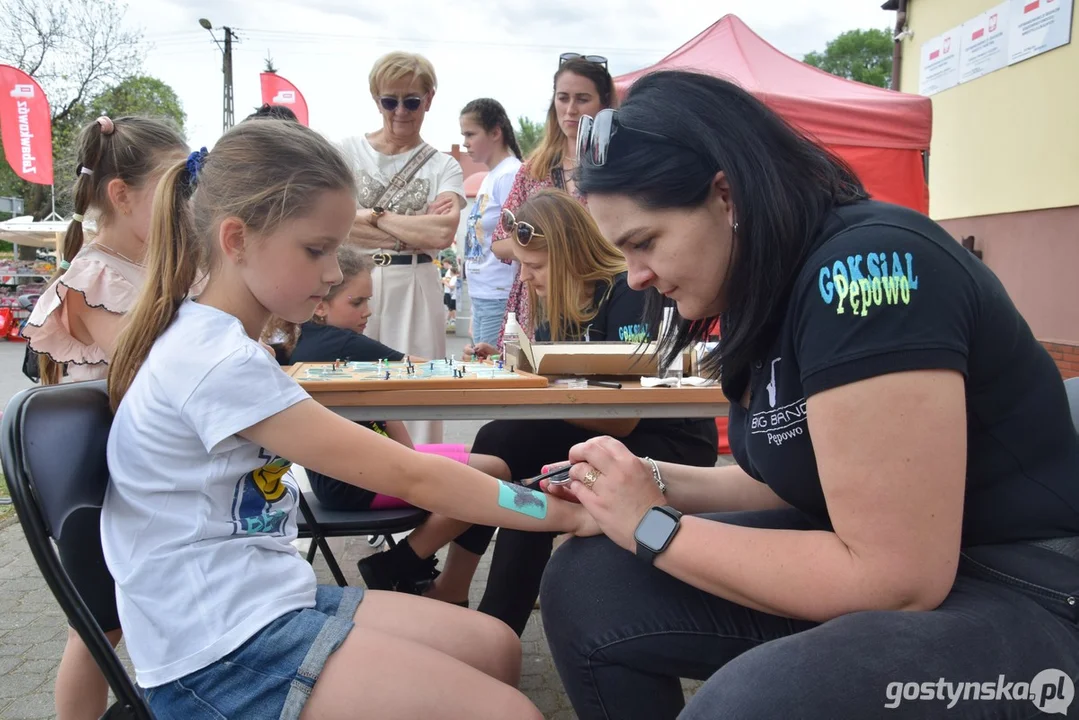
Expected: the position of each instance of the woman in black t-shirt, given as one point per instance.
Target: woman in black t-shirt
(577, 284)
(901, 530)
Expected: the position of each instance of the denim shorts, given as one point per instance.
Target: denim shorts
(272, 674)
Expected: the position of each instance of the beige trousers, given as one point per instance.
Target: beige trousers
(407, 314)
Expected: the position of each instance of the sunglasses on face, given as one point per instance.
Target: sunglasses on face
(522, 231)
(597, 59)
(389, 103)
(594, 136)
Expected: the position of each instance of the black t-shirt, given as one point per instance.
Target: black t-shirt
(887, 290)
(326, 343)
(619, 317)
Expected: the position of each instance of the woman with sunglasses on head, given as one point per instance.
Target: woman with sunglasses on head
(905, 507)
(577, 285)
(582, 86)
(410, 198)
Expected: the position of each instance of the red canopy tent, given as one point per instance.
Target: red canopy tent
(880, 133)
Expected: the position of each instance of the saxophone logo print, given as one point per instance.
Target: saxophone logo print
(258, 503)
(891, 281)
(779, 424)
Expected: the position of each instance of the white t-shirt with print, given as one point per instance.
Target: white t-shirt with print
(197, 522)
(488, 277)
(374, 171)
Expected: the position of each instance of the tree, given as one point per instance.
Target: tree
(862, 55)
(139, 95)
(75, 49)
(269, 64)
(529, 135)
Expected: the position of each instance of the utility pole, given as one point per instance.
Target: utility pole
(228, 117)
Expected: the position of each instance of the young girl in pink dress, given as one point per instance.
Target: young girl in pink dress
(74, 327)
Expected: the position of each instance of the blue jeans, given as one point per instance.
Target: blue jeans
(269, 676)
(622, 633)
(487, 317)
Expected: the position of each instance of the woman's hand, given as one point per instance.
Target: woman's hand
(442, 206)
(622, 490)
(480, 350)
(586, 524)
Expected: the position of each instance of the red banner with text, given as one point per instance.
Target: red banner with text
(25, 126)
(276, 90)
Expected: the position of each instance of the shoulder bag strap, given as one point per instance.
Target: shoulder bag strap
(401, 180)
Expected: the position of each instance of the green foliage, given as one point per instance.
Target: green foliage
(529, 135)
(88, 63)
(861, 55)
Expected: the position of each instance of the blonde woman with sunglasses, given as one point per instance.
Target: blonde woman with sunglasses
(405, 224)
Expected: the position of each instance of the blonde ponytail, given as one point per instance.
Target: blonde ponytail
(174, 256)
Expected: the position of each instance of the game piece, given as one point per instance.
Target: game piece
(387, 374)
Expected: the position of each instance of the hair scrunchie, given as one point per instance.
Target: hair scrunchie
(108, 127)
(195, 162)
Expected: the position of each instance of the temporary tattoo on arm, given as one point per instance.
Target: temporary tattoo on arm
(523, 500)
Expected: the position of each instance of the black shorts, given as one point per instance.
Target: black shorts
(449, 301)
(84, 562)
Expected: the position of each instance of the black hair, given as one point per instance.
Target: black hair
(273, 112)
(783, 185)
(490, 114)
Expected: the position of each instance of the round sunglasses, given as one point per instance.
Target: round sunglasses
(597, 59)
(522, 231)
(389, 103)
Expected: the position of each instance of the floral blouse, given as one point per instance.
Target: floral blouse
(524, 187)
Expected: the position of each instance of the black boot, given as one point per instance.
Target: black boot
(398, 569)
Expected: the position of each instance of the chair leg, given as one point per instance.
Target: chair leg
(331, 562)
(312, 549)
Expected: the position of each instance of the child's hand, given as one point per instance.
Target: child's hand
(586, 525)
(480, 350)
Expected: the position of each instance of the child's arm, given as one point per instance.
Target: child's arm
(314, 437)
(399, 433)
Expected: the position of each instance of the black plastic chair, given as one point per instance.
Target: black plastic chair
(319, 523)
(52, 446)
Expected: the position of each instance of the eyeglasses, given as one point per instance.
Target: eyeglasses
(522, 231)
(389, 103)
(597, 59)
(594, 136)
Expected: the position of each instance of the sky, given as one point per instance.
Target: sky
(505, 49)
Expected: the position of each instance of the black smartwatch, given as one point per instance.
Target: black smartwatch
(655, 531)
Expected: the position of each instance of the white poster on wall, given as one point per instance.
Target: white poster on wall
(940, 62)
(1038, 26)
(984, 43)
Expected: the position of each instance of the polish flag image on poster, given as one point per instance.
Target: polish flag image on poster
(1038, 26)
(984, 46)
(940, 63)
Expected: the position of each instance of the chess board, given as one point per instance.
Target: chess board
(431, 375)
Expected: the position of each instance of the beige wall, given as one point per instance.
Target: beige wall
(1005, 142)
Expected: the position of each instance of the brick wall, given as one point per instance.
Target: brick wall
(1066, 357)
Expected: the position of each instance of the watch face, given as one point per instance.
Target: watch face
(655, 529)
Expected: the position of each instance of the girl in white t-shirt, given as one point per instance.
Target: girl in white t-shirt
(488, 264)
(74, 327)
(219, 609)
